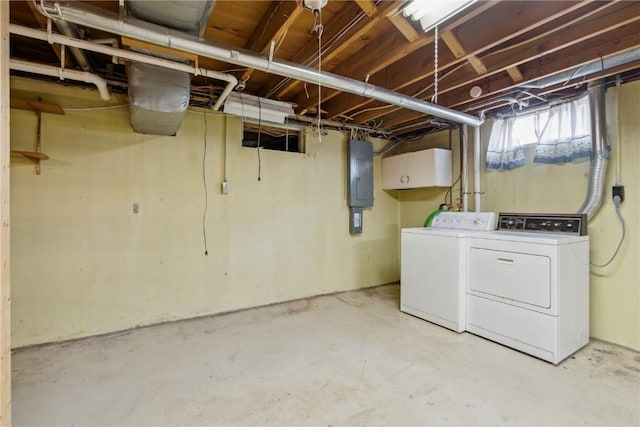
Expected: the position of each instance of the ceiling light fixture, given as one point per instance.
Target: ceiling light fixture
(431, 13)
(253, 107)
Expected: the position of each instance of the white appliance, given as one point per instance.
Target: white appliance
(528, 284)
(433, 267)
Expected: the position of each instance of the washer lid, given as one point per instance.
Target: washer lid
(430, 231)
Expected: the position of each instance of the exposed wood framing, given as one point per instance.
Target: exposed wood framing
(458, 51)
(386, 51)
(5, 259)
(620, 40)
(367, 6)
(404, 26)
(386, 8)
(273, 27)
(515, 74)
(402, 76)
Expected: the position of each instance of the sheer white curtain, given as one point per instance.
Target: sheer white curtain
(505, 148)
(565, 136)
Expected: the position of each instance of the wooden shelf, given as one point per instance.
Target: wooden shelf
(36, 106)
(31, 155)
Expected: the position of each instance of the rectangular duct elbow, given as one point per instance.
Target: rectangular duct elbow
(158, 98)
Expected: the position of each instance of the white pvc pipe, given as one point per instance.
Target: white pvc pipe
(465, 170)
(477, 193)
(61, 73)
(130, 55)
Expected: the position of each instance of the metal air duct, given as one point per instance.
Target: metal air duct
(158, 97)
(599, 150)
(86, 15)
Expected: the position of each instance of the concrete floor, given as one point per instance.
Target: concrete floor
(345, 359)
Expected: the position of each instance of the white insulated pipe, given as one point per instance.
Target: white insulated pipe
(477, 192)
(465, 170)
(82, 14)
(130, 55)
(61, 73)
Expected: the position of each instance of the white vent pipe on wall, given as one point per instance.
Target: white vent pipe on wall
(599, 150)
(83, 14)
(477, 193)
(130, 55)
(61, 73)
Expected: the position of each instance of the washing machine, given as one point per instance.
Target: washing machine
(528, 284)
(433, 267)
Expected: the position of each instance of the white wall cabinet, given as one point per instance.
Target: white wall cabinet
(427, 168)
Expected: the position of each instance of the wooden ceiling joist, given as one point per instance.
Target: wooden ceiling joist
(361, 30)
(573, 57)
(367, 6)
(404, 26)
(273, 27)
(407, 74)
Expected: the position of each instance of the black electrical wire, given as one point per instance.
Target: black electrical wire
(204, 182)
(259, 132)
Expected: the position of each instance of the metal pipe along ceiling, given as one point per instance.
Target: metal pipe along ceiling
(130, 55)
(106, 21)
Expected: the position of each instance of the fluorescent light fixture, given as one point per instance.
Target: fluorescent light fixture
(253, 107)
(431, 13)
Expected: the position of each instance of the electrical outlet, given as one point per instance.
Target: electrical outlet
(225, 187)
(618, 190)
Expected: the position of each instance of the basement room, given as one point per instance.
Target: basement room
(319, 212)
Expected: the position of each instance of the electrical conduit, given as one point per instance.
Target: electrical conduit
(130, 55)
(95, 18)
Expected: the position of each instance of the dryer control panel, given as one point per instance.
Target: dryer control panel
(477, 221)
(575, 224)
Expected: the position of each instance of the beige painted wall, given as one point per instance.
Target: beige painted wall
(83, 263)
(615, 290)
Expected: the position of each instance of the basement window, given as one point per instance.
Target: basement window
(284, 137)
(561, 134)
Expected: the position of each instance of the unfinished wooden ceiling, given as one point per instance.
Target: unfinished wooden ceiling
(503, 48)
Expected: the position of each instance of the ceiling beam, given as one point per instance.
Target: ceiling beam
(367, 6)
(273, 26)
(417, 66)
(419, 124)
(515, 74)
(617, 41)
(385, 50)
(458, 51)
(355, 33)
(404, 26)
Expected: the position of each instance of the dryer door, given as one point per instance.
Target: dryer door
(516, 273)
(511, 275)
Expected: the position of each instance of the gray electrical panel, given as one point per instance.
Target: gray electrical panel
(360, 174)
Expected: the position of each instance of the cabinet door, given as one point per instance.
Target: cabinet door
(420, 169)
(394, 172)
